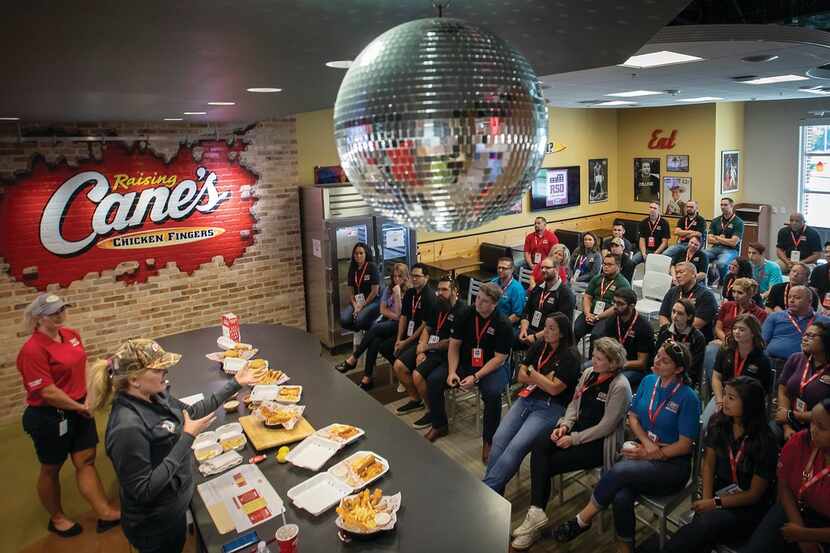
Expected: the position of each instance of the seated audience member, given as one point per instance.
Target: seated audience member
(738, 473)
(654, 234)
(626, 265)
(799, 522)
(820, 281)
(479, 345)
(783, 330)
(549, 297)
(725, 235)
(804, 382)
(549, 372)
(681, 329)
(738, 268)
(618, 231)
(632, 331)
(765, 272)
(742, 354)
(538, 243)
(384, 328)
(364, 279)
(512, 302)
(561, 258)
(599, 296)
(665, 419)
(777, 297)
(692, 224)
(691, 254)
(589, 434)
(586, 259)
(797, 243)
(706, 306)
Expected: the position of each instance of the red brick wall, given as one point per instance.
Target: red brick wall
(265, 284)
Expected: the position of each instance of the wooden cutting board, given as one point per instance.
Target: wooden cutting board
(266, 438)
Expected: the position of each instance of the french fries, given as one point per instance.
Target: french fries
(359, 511)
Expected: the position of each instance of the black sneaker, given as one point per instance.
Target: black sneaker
(344, 367)
(569, 530)
(409, 406)
(423, 422)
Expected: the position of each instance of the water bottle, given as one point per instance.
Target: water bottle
(262, 547)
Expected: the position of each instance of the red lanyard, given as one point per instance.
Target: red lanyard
(689, 257)
(536, 240)
(729, 287)
(358, 280)
(479, 334)
(603, 289)
(807, 381)
(738, 363)
(601, 379)
(691, 293)
(687, 225)
(441, 321)
(800, 238)
(652, 414)
(624, 337)
(415, 306)
(786, 294)
(543, 297)
(654, 226)
(543, 360)
(798, 328)
(735, 459)
(808, 479)
(580, 261)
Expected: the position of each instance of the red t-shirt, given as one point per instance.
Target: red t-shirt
(43, 361)
(542, 246)
(729, 312)
(791, 465)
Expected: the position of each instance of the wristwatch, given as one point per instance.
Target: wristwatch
(475, 378)
(718, 501)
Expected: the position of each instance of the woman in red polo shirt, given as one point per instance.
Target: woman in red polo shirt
(52, 364)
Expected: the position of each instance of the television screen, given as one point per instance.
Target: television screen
(555, 188)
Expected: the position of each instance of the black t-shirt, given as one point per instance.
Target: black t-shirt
(706, 306)
(777, 296)
(592, 405)
(640, 339)
(447, 319)
(808, 239)
(561, 300)
(418, 307)
(658, 231)
(820, 280)
(626, 267)
(757, 366)
(496, 334)
(754, 461)
(565, 364)
(362, 280)
(699, 260)
(696, 223)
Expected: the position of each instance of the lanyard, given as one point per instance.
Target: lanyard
(795, 324)
(738, 363)
(689, 257)
(737, 311)
(656, 224)
(603, 289)
(480, 333)
(687, 225)
(652, 414)
(416, 306)
(624, 337)
(691, 293)
(503, 288)
(536, 240)
(808, 479)
(543, 360)
(543, 297)
(786, 294)
(441, 321)
(807, 381)
(729, 286)
(724, 221)
(581, 260)
(358, 280)
(735, 459)
(601, 379)
(800, 238)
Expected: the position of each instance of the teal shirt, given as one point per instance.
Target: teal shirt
(735, 227)
(767, 275)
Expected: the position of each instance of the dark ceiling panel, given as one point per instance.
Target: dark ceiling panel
(124, 60)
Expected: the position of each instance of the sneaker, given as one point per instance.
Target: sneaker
(344, 367)
(535, 520)
(409, 406)
(400, 389)
(569, 530)
(423, 422)
(524, 541)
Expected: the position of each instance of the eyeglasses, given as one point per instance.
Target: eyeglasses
(503, 268)
(811, 335)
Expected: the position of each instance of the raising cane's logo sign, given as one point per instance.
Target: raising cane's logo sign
(131, 209)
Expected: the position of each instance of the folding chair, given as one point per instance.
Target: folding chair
(655, 263)
(655, 286)
(472, 291)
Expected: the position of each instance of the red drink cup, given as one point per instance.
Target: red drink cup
(287, 538)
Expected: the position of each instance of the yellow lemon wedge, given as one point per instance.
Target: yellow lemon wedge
(282, 453)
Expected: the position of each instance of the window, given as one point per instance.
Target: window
(814, 172)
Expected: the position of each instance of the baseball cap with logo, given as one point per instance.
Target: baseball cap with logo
(141, 354)
(47, 304)
(617, 242)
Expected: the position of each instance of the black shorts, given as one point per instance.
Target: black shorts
(43, 425)
(408, 356)
(434, 360)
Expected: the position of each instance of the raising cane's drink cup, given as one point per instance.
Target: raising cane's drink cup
(230, 327)
(287, 538)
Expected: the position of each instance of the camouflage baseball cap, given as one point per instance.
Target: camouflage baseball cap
(141, 354)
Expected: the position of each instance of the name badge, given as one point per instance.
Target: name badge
(795, 256)
(731, 489)
(650, 241)
(752, 369)
(433, 339)
(602, 396)
(653, 437)
(825, 379)
(537, 318)
(360, 300)
(74, 342)
(800, 405)
(537, 257)
(672, 407)
(410, 328)
(599, 307)
(63, 427)
(478, 358)
(527, 390)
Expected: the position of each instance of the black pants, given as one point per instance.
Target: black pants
(547, 460)
(372, 342)
(171, 540)
(767, 536)
(581, 327)
(721, 526)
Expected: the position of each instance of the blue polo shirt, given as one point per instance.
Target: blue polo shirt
(781, 336)
(679, 417)
(512, 300)
(767, 275)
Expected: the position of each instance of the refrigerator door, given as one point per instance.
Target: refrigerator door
(343, 234)
(395, 244)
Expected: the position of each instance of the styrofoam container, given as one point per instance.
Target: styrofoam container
(319, 493)
(204, 439)
(313, 452)
(283, 400)
(341, 471)
(264, 392)
(233, 435)
(202, 453)
(233, 365)
(323, 433)
(231, 427)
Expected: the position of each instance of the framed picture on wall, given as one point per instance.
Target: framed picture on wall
(597, 180)
(677, 163)
(729, 164)
(676, 192)
(647, 179)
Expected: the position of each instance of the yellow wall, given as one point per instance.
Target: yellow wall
(729, 135)
(315, 143)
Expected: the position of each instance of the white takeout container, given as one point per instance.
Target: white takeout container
(233, 365)
(283, 400)
(313, 452)
(264, 392)
(341, 470)
(392, 504)
(230, 435)
(220, 463)
(206, 438)
(233, 427)
(319, 493)
(207, 449)
(323, 433)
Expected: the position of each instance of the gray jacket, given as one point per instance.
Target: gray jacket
(152, 457)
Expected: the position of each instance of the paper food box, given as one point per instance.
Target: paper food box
(230, 327)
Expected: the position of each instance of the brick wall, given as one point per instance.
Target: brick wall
(265, 284)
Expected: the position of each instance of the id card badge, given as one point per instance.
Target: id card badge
(433, 339)
(410, 328)
(63, 427)
(478, 358)
(537, 318)
(731, 489)
(795, 256)
(527, 390)
(599, 307)
(653, 437)
(360, 300)
(650, 241)
(800, 405)
(537, 257)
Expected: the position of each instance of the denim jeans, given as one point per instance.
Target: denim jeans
(364, 319)
(676, 248)
(722, 257)
(527, 419)
(638, 258)
(710, 355)
(629, 478)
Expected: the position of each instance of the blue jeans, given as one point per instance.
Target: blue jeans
(527, 419)
(364, 319)
(629, 478)
(710, 355)
(722, 257)
(676, 248)
(638, 258)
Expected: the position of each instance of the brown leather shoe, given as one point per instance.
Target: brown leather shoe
(485, 452)
(435, 433)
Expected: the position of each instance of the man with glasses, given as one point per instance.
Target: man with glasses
(725, 235)
(777, 297)
(820, 281)
(692, 224)
(797, 243)
(512, 302)
(597, 302)
(632, 331)
(706, 306)
(550, 296)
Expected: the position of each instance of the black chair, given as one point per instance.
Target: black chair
(489, 255)
(632, 230)
(570, 238)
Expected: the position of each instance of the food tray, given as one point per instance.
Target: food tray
(233, 365)
(324, 433)
(219, 356)
(262, 438)
(264, 392)
(283, 400)
(206, 438)
(313, 452)
(341, 471)
(221, 463)
(319, 493)
(393, 504)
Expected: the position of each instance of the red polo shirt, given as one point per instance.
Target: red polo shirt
(791, 465)
(43, 361)
(729, 312)
(534, 244)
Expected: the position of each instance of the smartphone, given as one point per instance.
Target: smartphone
(243, 541)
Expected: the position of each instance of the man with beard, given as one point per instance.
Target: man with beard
(797, 243)
(632, 331)
(691, 224)
(550, 296)
(706, 306)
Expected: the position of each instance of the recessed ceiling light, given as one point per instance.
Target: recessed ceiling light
(195, 113)
(173, 119)
(702, 99)
(9, 118)
(634, 93)
(263, 89)
(760, 58)
(776, 79)
(221, 103)
(339, 64)
(616, 103)
(658, 59)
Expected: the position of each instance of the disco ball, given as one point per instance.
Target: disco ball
(440, 125)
